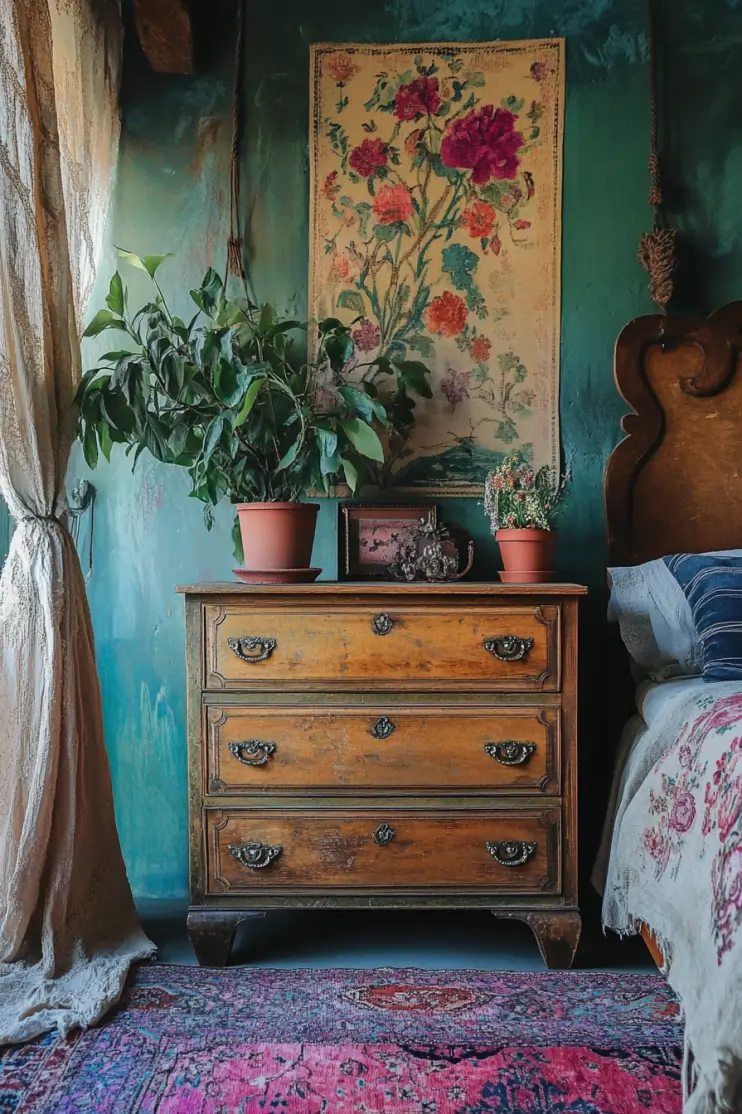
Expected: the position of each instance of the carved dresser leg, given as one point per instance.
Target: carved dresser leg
(211, 933)
(557, 934)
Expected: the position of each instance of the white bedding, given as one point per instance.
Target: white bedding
(672, 859)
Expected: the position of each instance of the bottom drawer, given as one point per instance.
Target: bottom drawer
(502, 850)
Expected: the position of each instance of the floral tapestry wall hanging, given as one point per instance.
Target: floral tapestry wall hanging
(436, 229)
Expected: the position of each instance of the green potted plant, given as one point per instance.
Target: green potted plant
(228, 397)
(522, 505)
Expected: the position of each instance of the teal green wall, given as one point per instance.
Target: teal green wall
(171, 196)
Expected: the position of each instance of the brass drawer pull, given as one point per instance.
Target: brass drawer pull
(245, 647)
(383, 728)
(254, 854)
(511, 852)
(384, 834)
(382, 624)
(252, 752)
(510, 753)
(508, 647)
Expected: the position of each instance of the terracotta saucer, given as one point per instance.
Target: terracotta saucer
(532, 577)
(277, 576)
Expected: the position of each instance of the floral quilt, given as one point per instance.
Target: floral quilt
(436, 233)
(676, 865)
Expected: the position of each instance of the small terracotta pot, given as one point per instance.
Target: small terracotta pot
(277, 535)
(528, 555)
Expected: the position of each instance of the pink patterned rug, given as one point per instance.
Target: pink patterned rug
(252, 1041)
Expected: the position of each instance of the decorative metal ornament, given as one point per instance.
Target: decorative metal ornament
(252, 752)
(510, 753)
(384, 834)
(382, 624)
(508, 647)
(511, 852)
(245, 647)
(430, 554)
(383, 728)
(254, 854)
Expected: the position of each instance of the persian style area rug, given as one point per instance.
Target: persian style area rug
(436, 178)
(245, 1041)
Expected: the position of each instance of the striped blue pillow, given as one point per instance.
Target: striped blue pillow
(713, 588)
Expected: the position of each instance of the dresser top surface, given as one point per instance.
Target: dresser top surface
(381, 588)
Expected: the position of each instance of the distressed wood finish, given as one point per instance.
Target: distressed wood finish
(430, 646)
(418, 850)
(673, 484)
(384, 747)
(165, 29)
(336, 738)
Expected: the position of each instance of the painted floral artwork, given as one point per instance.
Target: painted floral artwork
(436, 232)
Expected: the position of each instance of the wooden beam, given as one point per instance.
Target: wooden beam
(165, 29)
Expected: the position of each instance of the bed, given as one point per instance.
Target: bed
(670, 864)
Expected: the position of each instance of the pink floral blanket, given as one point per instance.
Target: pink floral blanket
(675, 864)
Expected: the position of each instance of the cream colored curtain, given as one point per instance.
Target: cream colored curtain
(68, 927)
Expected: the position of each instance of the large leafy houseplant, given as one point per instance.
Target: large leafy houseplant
(228, 396)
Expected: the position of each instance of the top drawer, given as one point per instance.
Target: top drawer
(437, 647)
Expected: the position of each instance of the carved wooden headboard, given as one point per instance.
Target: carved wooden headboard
(674, 484)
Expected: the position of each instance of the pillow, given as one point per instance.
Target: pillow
(655, 618)
(712, 586)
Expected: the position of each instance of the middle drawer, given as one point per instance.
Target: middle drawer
(384, 748)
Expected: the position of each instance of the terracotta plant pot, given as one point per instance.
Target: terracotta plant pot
(277, 535)
(528, 555)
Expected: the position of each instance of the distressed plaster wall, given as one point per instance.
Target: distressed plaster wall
(171, 196)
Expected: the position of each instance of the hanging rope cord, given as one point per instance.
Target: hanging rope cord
(657, 248)
(235, 260)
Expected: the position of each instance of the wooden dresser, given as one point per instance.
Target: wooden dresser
(383, 746)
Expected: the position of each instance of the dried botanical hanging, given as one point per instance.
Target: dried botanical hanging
(657, 248)
(235, 263)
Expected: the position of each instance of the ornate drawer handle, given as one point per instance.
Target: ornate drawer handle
(252, 752)
(508, 647)
(382, 624)
(510, 753)
(384, 834)
(511, 852)
(383, 728)
(254, 854)
(245, 647)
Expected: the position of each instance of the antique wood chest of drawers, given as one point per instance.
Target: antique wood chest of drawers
(383, 745)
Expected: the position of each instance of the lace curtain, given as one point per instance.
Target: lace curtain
(68, 926)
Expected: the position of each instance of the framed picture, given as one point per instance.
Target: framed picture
(370, 535)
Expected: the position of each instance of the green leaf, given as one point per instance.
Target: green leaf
(213, 436)
(422, 344)
(328, 440)
(226, 383)
(267, 318)
(105, 440)
(384, 232)
(116, 411)
(103, 320)
(207, 297)
(359, 402)
(152, 262)
(115, 299)
(459, 261)
(289, 456)
(132, 259)
(248, 402)
(239, 555)
(363, 438)
(351, 473)
(353, 300)
(90, 446)
(119, 354)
